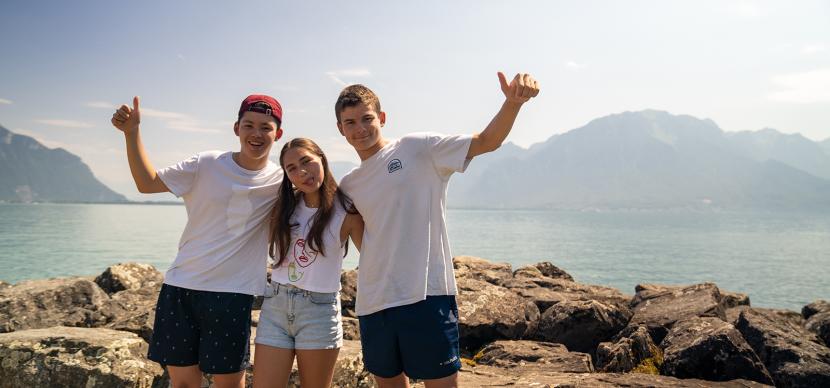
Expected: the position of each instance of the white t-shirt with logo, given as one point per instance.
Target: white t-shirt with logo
(401, 193)
(306, 268)
(224, 246)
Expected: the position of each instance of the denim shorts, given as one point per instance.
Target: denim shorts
(293, 318)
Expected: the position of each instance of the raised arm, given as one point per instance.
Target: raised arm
(521, 89)
(127, 120)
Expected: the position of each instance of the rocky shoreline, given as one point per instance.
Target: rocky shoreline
(532, 326)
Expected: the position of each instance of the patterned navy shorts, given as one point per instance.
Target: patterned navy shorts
(211, 329)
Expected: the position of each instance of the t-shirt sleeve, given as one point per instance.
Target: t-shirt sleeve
(180, 177)
(448, 153)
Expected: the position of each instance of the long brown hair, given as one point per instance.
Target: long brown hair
(281, 225)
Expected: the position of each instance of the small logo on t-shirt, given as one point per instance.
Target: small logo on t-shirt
(394, 165)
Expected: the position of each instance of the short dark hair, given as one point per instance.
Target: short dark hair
(354, 95)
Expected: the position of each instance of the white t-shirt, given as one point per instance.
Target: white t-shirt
(224, 245)
(309, 269)
(401, 193)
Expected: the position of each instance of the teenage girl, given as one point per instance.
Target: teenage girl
(310, 227)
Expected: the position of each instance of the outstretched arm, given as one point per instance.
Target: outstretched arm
(521, 89)
(127, 120)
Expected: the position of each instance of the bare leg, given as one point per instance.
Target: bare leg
(229, 380)
(399, 381)
(185, 376)
(450, 381)
(316, 367)
(272, 366)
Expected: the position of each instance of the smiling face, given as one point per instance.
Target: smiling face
(360, 125)
(257, 133)
(304, 169)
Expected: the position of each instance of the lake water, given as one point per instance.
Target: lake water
(781, 260)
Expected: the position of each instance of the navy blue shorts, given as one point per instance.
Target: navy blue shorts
(420, 339)
(211, 329)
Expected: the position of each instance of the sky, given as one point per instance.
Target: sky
(747, 65)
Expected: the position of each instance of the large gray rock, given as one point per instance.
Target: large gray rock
(635, 351)
(531, 376)
(792, 354)
(815, 308)
(710, 349)
(129, 276)
(488, 312)
(820, 325)
(481, 269)
(76, 357)
(348, 292)
(581, 324)
(545, 355)
(658, 307)
(351, 329)
(546, 291)
(37, 304)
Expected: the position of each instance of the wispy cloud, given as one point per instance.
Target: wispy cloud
(802, 88)
(48, 143)
(338, 75)
(64, 123)
(573, 65)
(4, 101)
(811, 49)
(100, 105)
(744, 9)
(172, 120)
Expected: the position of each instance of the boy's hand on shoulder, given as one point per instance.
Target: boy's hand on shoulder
(522, 88)
(126, 119)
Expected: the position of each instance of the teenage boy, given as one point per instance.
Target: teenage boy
(406, 284)
(203, 315)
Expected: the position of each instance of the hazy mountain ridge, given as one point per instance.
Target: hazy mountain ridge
(31, 172)
(652, 159)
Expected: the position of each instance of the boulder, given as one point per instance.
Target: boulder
(819, 324)
(530, 376)
(348, 292)
(481, 269)
(129, 276)
(658, 307)
(815, 308)
(581, 324)
(710, 349)
(351, 329)
(76, 357)
(545, 355)
(4, 285)
(134, 309)
(546, 291)
(635, 351)
(734, 299)
(792, 354)
(38, 304)
(552, 271)
(488, 312)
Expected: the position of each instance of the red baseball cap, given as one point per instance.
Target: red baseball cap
(274, 108)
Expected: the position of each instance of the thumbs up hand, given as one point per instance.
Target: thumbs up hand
(126, 119)
(522, 88)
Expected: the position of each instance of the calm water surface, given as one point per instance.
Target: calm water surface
(780, 259)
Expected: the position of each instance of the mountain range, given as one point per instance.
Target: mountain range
(31, 172)
(651, 159)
